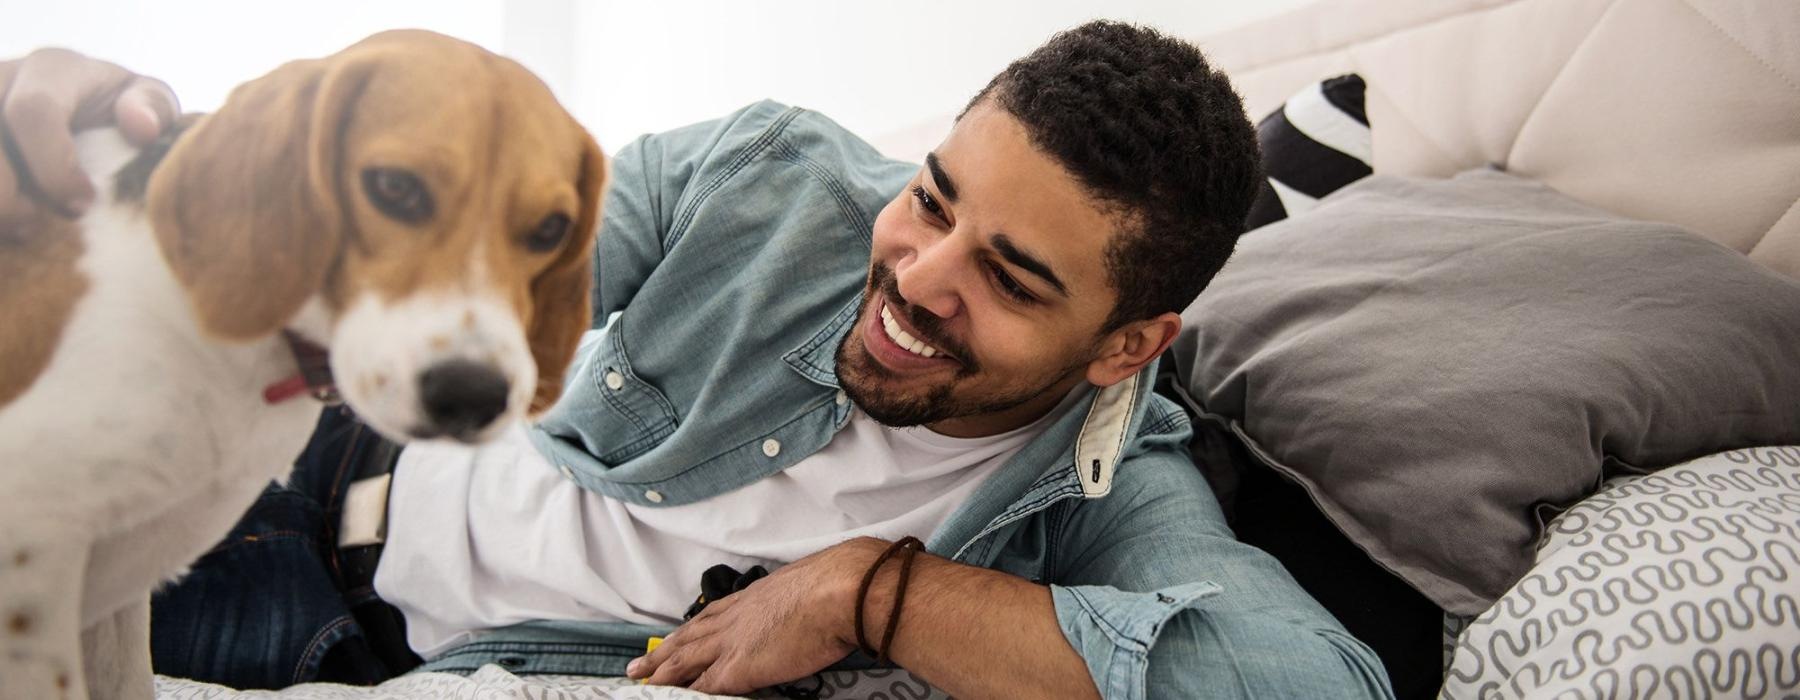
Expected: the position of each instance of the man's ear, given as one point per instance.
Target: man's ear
(1126, 351)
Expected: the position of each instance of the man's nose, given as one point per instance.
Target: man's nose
(930, 279)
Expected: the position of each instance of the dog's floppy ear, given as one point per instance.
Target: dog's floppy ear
(248, 208)
(560, 295)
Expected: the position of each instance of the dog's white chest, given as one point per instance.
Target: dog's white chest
(142, 437)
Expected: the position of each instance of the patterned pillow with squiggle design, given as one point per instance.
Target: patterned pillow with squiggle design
(1680, 584)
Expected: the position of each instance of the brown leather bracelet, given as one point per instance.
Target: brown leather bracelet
(911, 546)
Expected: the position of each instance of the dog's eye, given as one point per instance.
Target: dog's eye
(398, 194)
(549, 233)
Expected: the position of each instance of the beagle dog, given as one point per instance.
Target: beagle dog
(415, 206)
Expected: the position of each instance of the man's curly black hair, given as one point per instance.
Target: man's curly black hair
(1158, 136)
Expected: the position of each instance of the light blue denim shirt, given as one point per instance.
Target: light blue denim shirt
(730, 264)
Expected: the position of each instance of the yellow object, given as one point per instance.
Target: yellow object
(650, 645)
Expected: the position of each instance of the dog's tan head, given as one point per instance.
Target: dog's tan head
(426, 205)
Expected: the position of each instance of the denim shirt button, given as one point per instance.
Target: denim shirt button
(614, 380)
(566, 471)
(842, 398)
(771, 447)
(653, 496)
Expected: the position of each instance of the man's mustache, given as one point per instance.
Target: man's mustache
(926, 326)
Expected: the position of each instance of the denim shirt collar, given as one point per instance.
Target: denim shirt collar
(816, 358)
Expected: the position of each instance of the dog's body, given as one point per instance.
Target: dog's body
(136, 423)
(148, 438)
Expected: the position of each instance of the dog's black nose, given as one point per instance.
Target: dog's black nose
(462, 397)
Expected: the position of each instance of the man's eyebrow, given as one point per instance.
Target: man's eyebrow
(1025, 260)
(940, 177)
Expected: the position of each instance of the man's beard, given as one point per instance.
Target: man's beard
(859, 374)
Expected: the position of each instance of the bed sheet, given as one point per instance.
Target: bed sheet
(495, 683)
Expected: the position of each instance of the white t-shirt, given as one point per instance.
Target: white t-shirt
(483, 537)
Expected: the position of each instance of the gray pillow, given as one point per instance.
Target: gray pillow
(1446, 364)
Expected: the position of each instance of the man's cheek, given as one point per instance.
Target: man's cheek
(885, 232)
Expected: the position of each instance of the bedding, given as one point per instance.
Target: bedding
(1445, 364)
(1316, 142)
(1682, 583)
(495, 683)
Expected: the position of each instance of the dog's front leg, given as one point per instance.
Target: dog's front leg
(116, 655)
(40, 612)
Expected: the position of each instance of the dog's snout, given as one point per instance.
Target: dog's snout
(461, 397)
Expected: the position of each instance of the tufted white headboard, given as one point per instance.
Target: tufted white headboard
(1684, 111)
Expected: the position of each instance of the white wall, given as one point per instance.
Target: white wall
(872, 66)
(205, 47)
(624, 68)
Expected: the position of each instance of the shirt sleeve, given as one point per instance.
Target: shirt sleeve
(651, 179)
(1161, 600)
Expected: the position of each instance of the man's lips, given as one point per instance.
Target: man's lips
(889, 353)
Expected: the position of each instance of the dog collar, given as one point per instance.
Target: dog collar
(313, 378)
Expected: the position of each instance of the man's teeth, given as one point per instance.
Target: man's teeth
(902, 338)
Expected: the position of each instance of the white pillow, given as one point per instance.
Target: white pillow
(1682, 583)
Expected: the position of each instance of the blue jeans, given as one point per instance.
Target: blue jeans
(271, 604)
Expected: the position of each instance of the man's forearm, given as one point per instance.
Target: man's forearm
(974, 632)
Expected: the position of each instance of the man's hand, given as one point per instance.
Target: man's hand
(786, 626)
(44, 99)
(800, 620)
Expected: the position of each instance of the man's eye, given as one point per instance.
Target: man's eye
(926, 200)
(1010, 286)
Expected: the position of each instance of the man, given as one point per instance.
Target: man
(805, 352)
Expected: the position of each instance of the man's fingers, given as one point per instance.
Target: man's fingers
(714, 681)
(14, 206)
(647, 664)
(53, 93)
(37, 132)
(145, 109)
(683, 665)
(13, 203)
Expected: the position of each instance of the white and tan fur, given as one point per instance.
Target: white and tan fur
(181, 427)
(146, 434)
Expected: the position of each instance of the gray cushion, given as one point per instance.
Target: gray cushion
(1446, 364)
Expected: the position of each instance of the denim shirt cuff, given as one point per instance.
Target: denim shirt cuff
(1113, 630)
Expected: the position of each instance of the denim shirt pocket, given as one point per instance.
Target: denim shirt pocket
(609, 412)
(636, 412)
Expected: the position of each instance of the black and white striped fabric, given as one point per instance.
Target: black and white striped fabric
(1316, 143)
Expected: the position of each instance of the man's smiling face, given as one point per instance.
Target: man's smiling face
(987, 287)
